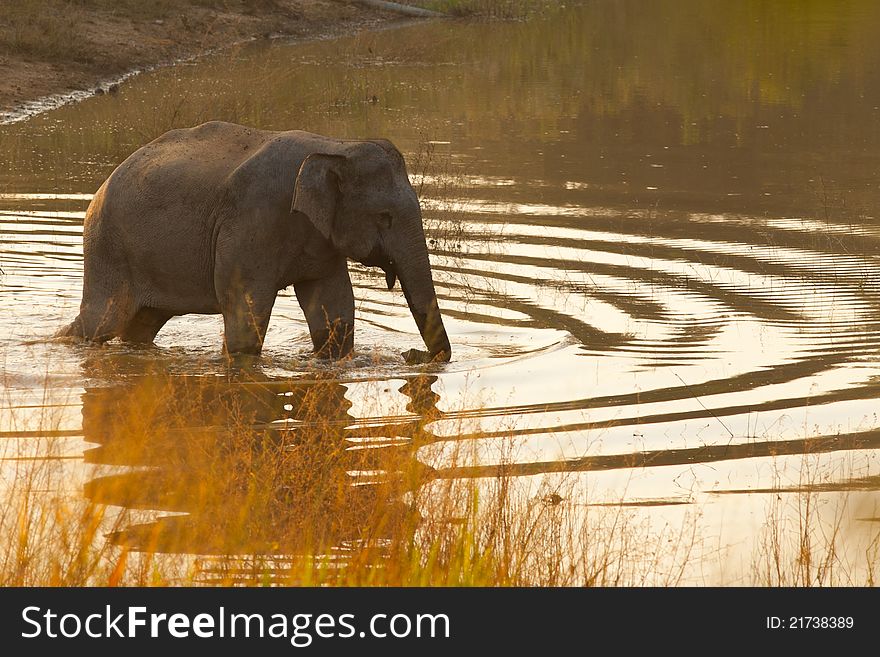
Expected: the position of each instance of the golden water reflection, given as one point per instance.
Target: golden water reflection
(656, 257)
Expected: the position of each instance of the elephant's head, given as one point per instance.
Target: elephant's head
(360, 198)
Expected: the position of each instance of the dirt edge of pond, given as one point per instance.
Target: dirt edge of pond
(96, 44)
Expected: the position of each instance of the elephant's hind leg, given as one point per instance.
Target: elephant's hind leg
(72, 330)
(144, 326)
(108, 303)
(102, 321)
(97, 323)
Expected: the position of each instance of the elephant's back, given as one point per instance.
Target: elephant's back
(183, 166)
(186, 169)
(168, 190)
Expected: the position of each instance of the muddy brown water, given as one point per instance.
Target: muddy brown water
(654, 231)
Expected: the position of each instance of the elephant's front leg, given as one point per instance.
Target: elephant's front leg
(245, 320)
(328, 304)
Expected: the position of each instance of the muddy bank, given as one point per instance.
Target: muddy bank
(51, 47)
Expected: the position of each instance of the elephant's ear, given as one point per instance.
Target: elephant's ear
(317, 190)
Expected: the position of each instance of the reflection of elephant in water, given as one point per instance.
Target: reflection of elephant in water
(219, 218)
(249, 463)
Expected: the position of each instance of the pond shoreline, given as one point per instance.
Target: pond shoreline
(113, 46)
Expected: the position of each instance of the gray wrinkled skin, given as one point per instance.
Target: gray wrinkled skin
(218, 218)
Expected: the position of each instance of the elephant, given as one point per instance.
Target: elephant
(218, 218)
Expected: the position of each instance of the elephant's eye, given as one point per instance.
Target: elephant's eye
(386, 219)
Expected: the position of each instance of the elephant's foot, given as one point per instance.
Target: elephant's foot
(144, 326)
(238, 347)
(420, 357)
(73, 331)
(336, 341)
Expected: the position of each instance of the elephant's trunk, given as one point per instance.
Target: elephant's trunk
(414, 272)
(431, 327)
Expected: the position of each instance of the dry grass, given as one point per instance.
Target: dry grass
(810, 529)
(41, 29)
(193, 480)
(244, 479)
(65, 29)
(59, 29)
(440, 185)
(503, 9)
(54, 46)
(434, 176)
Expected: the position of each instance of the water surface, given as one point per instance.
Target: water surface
(654, 233)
